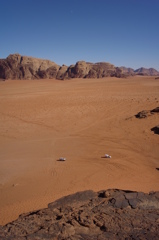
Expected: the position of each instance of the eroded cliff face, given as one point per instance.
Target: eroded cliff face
(93, 70)
(16, 66)
(108, 214)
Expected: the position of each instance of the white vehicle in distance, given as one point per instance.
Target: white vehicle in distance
(62, 159)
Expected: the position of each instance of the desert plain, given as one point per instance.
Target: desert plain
(81, 120)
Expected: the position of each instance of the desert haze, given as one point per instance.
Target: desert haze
(81, 120)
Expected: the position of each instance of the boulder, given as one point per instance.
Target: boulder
(143, 114)
(147, 113)
(155, 110)
(155, 129)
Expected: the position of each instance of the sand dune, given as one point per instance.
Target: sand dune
(80, 119)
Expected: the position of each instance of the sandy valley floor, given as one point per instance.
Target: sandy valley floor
(80, 119)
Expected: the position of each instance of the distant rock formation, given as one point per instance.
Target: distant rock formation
(128, 71)
(16, 66)
(108, 214)
(84, 69)
(147, 71)
(140, 71)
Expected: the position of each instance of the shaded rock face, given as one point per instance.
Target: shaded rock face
(97, 70)
(155, 129)
(140, 71)
(147, 71)
(62, 73)
(110, 214)
(16, 66)
(128, 71)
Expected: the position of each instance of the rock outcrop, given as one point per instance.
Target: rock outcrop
(16, 66)
(147, 71)
(108, 214)
(93, 70)
(146, 113)
(128, 71)
(140, 71)
(155, 129)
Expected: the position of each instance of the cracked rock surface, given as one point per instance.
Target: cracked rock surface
(108, 214)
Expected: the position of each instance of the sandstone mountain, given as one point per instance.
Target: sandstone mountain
(140, 71)
(108, 214)
(147, 71)
(16, 66)
(128, 71)
(84, 69)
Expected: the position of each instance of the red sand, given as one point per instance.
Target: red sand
(80, 119)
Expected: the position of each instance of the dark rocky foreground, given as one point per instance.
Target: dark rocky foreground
(16, 66)
(110, 214)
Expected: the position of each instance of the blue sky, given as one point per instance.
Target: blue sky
(122, 32)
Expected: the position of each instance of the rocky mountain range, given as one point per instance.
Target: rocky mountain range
(16, 66)
(108, 214)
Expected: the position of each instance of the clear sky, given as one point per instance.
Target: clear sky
(122, 32)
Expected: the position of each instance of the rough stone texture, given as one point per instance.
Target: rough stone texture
(146, 113)
(16, 66)
(108, 214)
(97, 70)
(62, 73)
(79, 70)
